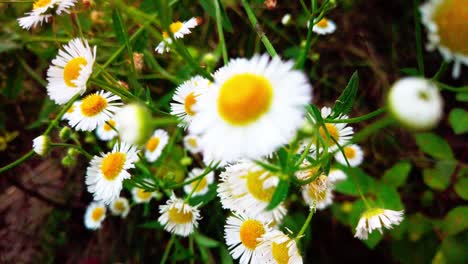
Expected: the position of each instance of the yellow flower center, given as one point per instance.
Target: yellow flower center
(192, 142)
(176, 26)
(452, 23)
(119, 206)
(152, 144)
(349, 152)
(71, 109)
(255, 186)
(165, 35)
(322, 23)
(190, 100)
(201, 186)
(97, 214)
(280, 252)
(332, 131)
(179, 216)
(109, 124)
(143, 195)
(41, 3)
(72, 70)
(244, 98)
(318, 188)
(250, 231)
(112, 165)
(93, 104)
(372, 212)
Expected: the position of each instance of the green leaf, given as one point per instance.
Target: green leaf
(418, 226)
(117, 24)
(455, 248)
(280, 194)
(397, 175)
(348, 186)
(315, 113)
(373, 240)
(456, 220)
(346, 100)
(461, 188)
(410, 71)
(151, 225)
(205, 241)
(205, 198)
(438, 178)
(463, 97)
(434, 146)
(458, 119)
(225, 256)
(388, 196)
(209, 7)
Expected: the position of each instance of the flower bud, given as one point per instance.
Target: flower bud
(186, 161)
(41, 145)
(135, 124)
(65, 133)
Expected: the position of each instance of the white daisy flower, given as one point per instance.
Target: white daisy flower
(120, 206)
(71, 109)
(376, 218)
(416, 103)
(106, 132)
(185, 98)
(134, 124)
(191, 143)
(41, 145)
(155, 145)
(70, 70)
(202, 187)
(323, 27)
(353, 154)
(278, 248)
(178, 217)
(336, 176)
(95, 214)
(247, 98)
(318, 193)
(248, 188)
(142, 196)
(179, 30)
(106, 173)
(447, 30)
(94, 110)
(243, 236)
(43, 10)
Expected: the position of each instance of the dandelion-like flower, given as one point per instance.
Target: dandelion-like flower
(178, 217)
(142, 196)
(179, 30)
(277, 247)
(107, 131)
(200, 186)
(324, 26)
(43, 10)
(155, 145)
(41, 145)
(337, 132)
(94, 110)
(106, 173)
(447, 30)
(375, 219)
(191, 143)
(120, 207)
(94, 215)
(247, 98)
(353, 153)
(70, 70)
(318, 194)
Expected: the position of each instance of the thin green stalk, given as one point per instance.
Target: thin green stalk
(444, 86)
(199, 177)
(80, 149)
(417, 32)
(61, 113)
(443, 67)
(17, 162)
(306, 224)
(31, 72)
(359, 118)
(162, 121)
(192, 260)
(153, 63)
(253, 20)
(372, 128)
(168, 249)
(220, 32)
(78, 24)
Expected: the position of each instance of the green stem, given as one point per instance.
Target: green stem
(220, 32)
(78, 24)
(417, 32)
(61, 113)
(443, 86)
(253, 20)
(31, 72)
(358, 119)
(199, 177)
(17, 162)
(443, 67)
(165, 121)
(372, 128)
(168, 249)
(306, 223)
(80, 149)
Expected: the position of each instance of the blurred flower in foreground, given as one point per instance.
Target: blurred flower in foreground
(94, 110)
(286, 19)
(106, 131)
(336, 176)
(43, 10)
(353, 153)
(142, 196)
(446, 22)
(416, 103)
(155, 145)
(323, 27)
(120, 207)
(179, 30)
(202, 187)
(106, 173)
(178, 217)
(375, 219)
(95, 214)
(134, 124)
(41, 145)
(248, 98)
(277, 247)
(70, 70)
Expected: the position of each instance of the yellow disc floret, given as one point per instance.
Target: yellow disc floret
(203, 183)
(250, 231)
(451, 19)
(244, 98)
(143, 195)
(72, 70)
(349, 152)
(176, 26)
(152, 144)
(255, 186)
(190, 100)
(179, 216)
(323, 23)
(97, 213)
(41, 3)
(280, 252)
(93, 104)
(109, 125)
(112, 165)
(333, 133)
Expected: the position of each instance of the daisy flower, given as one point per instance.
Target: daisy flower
(191, 144)
(447, 30)
(120, 206)
(353, 154)
(185, 98)
(70, 70)
(155, 145)
(200, 185)
(106, 173)
(43, 10)
(179, 30)
(142, 196)
(134, 124)
(106, 132)
(416, 103)
(248, 188)
(178, 217)
(336, 176)
(323, 27)
(95, 214)
(277, 247)
(41, 145)
(318, 193)
(94, 110)
(70, 110)
(376, 218)
(248, 98)
(243, 236)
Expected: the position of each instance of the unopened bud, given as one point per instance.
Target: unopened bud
(186, 161)
(41, 145)
(135, 124)
(65, 133)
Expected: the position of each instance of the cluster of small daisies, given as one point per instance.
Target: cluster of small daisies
(43, 10)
